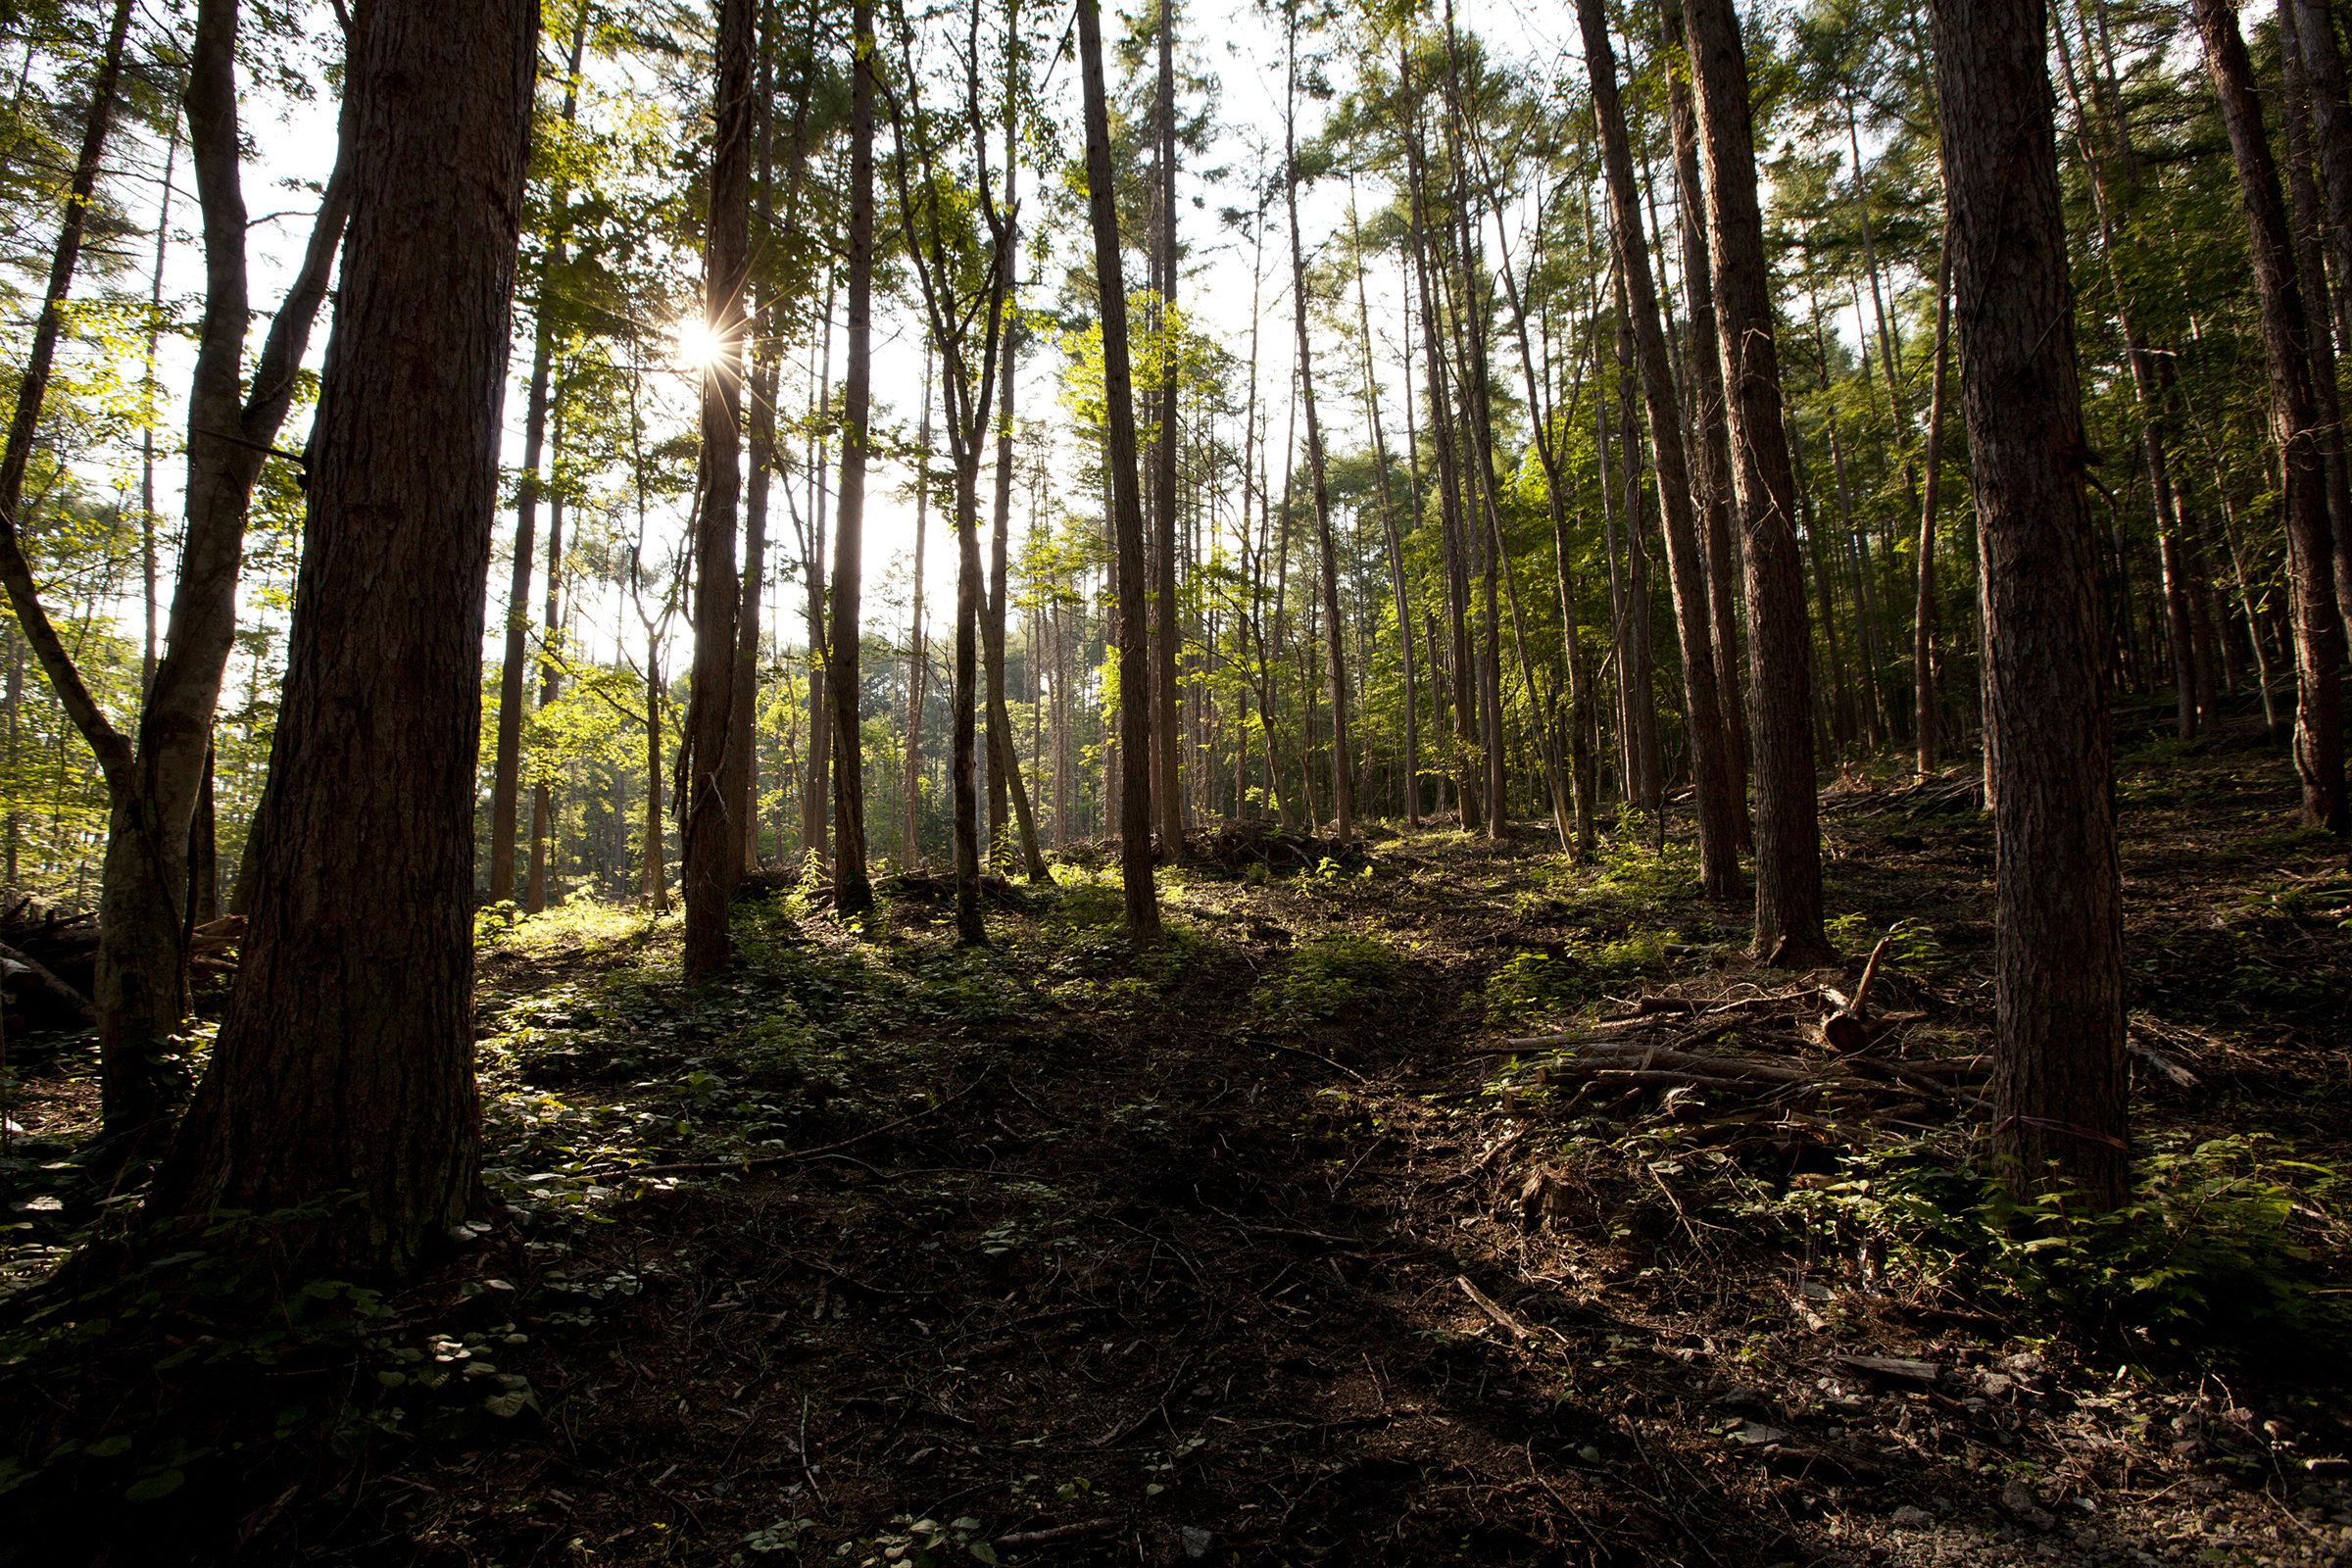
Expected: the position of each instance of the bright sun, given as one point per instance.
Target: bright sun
(698, 346)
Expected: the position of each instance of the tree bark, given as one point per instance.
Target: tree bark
(2059, 1078)
(342, 1081)
(852, 892)
(1788, 924)
(712, 836)
(2319, 628)
(1127, 502)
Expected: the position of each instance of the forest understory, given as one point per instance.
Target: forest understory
(1266, 1246)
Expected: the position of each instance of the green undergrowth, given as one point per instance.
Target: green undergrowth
(1327, 977)
(2230, 1251)
(209, 1365)
(637, 1066)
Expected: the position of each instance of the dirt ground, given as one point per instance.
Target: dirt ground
(1267, 1248)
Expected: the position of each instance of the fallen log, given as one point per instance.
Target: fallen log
(18, 966)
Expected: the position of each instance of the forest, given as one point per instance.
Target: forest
(795, 780)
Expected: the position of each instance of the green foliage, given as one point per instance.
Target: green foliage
(217, 1313)
(1536, 985)
(1324, 978)
(1911, 947)
(2217, 1251)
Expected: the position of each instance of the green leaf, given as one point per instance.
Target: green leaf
(107, 1447)
(161, 1484)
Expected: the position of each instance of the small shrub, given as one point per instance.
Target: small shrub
(1323, 976)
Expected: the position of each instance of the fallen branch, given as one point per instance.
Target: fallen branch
(1501, 1315)
(1314, 1055)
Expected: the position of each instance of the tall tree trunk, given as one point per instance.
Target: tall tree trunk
(713, 838)
(345, 1065)
(141, 992)
(506, 770)
(1005, 760)
(656, 868)
(2059, 1078)
(2319, 625)
(2146, 388)
(551, 683)
(1335, 658)
(759, 453)
(910, 849)
(1389, 536)
(1716, 485)
(1166, 639)
(148, 520)
(1711, 771)
(2320, 341)
(1923, 624)
(1467, 787)
(1647, 764)
(2331, 128)
(1127, 502)
(852, 892)
(817, 793)
(1789, 922)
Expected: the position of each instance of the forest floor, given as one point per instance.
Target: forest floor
(1265, 1247)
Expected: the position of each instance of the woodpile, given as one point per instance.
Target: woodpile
(1758, 1072)
(932, 887)
(1946, 794)
(1237, 846)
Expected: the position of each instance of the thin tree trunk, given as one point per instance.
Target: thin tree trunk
(1467, 794)
(713, 838)
(1388, 535)
(1716, 485)
(506, 770)
(2320, 341)
(1788, 916)
(816, 786)
(852, 892)
(2319, 627)
(1923, 648)
(1127, 509)
(1334, 658)
(1167, 736)
(141, 992)
(1711, 771)
(1005, 758)
(910, 849)
(2314, 24)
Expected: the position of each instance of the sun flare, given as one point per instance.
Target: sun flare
(697, 347)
